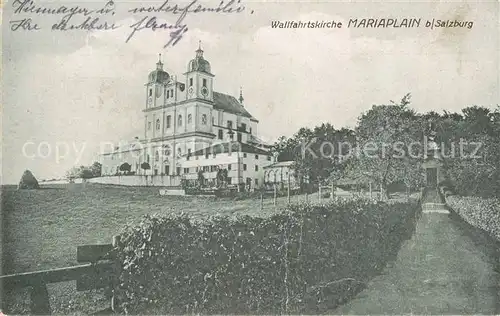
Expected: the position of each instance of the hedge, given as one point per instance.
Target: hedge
(480, 212)
(305, 259)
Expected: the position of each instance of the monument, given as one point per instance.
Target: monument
(433, 161)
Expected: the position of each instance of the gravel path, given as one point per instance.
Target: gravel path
(446, 268)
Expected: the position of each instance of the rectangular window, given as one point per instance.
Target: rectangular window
(150, 92)
(205, 83)
(256, 168)
(243, 127)
(244, 155)
(229, 167)
(230, 124)
(244, 167)
(221, 134)
(250, 130)
(186, 170)
(149, 125)
(256, 181)
(172, 93)
(206, 155)
(239, 137)
(190, 82)
(168, 94)
(228, 180)
(169, 121)
(178, 171)
(167, 170)
(256, 156)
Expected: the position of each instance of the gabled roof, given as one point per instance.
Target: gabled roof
(230, 146)
(228, 103)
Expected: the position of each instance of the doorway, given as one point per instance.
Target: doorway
(432, 177)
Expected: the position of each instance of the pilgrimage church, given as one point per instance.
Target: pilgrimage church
(189, 127)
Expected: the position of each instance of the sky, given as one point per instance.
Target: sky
(65, 93)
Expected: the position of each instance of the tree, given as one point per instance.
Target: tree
(86, 173)
(145, 166)
(316, 152)
(125, 167)
(222, 176)
(201, 178)
(383, 135)
(96, 169)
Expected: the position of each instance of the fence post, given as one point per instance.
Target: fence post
(261, 201)
(40, 300)
(116, 271)
(333, 192)
(274, 194)
(288, 190)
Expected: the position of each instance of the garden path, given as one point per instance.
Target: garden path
(447, 267)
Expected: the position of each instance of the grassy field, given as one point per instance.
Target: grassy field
(42, 228)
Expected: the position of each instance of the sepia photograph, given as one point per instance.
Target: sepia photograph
(242, 157)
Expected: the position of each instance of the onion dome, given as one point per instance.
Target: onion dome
(158, 75)
(199, 63)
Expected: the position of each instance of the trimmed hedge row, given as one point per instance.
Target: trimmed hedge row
(306, 259)
(479, 212)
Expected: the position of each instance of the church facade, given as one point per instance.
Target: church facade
(189, 127)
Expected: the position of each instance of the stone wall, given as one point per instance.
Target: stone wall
(138, 180)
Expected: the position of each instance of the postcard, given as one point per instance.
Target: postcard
(250, 157)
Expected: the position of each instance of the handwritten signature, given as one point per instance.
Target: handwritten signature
(178, 28)
(152, 23)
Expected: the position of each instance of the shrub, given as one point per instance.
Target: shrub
(479, 212)
(308, 258)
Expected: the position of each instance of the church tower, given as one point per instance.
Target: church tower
(155, 87)
(199, 78)
(155, 98)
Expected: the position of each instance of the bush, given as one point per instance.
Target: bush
(308, 258)
(479, 212)
(28, 181)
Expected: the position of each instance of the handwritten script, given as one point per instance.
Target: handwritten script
(30, 16)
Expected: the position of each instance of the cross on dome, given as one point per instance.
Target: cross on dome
(159, 64)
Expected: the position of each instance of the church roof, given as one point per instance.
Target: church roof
(228, 103)
(234, 146)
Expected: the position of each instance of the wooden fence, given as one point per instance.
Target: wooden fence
(98, 270)
(322, 190)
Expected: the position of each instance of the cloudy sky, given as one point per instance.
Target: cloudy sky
(72, 90)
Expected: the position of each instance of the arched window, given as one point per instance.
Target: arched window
(204, 119)
(190, 118)
(157, 124)
(179, 121)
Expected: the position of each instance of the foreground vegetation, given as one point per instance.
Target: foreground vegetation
(305, 259)
(479, 212)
